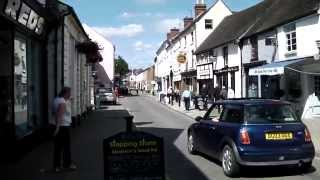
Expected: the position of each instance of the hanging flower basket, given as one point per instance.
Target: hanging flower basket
(88, 47)
(94, 57)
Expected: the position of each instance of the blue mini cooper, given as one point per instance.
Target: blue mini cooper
(252, 132)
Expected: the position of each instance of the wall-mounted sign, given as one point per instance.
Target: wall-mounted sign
(181, 58)
(21, 12)
(204, 72)
(226, 70)
(133, 155)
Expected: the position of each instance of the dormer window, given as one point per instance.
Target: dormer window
(208, 23)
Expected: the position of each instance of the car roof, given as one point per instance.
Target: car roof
(250, 101)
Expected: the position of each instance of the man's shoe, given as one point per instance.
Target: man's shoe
(57, 169)
(72, 167)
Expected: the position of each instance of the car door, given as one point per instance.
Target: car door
(208, 129)
(227, 127)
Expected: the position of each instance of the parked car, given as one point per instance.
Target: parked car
(252, 132)
(104, 96)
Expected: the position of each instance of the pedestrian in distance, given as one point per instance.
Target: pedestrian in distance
(61, 125)
(170, 95)
(223, 93)
(204, 94)
(186, 95)
(230, 93)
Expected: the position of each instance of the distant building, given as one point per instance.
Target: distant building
(108, 54)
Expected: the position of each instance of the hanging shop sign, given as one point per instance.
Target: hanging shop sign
(226, 70)
(181, 58)
(25, 15)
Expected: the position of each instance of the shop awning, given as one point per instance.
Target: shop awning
(276, 68)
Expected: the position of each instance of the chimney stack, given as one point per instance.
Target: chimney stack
(187, 21)
(173, 32)
(200, 8)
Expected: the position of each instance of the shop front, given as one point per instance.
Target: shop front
(205, 76)
(22, 71)
(270, 79)
(226, 77)
(251, 82)
(189, 81)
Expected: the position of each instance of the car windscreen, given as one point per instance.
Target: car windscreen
(269, 113)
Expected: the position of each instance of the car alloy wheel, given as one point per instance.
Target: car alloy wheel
(229, 165)
(191, 147)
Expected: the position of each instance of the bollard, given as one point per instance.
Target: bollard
(129, 120)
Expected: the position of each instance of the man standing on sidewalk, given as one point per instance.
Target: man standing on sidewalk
(186, 95)
(62, 123)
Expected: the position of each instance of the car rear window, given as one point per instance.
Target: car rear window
(273, 113)
(107, 90)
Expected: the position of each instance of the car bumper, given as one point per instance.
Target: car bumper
(276, 156)
(108, 99)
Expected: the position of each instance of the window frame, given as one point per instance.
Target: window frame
(290, 31)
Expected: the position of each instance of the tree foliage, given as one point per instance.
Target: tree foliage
(121, 66)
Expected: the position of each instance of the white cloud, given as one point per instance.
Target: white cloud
(130, 15)
(140, 46)
(129, 30)
(127, 15)
(165, 25)
(151, 1)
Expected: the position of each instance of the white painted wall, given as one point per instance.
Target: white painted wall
(217, 13)
(75, 73)
(307, 31)
(107, 53)
(234, 59)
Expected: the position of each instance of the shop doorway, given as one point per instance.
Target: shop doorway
(271, 87)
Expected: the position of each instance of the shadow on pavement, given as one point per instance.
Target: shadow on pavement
(264, 171)
(276, 171)
(86, 148)
(177, 166)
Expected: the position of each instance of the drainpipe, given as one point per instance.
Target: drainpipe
(240, 43)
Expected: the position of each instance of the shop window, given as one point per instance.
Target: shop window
(253, 86)
(27, 85)
(20, 85)
(317, 85)
(293, 84)
(233, 80)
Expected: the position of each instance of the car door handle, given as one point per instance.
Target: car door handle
(213, 128)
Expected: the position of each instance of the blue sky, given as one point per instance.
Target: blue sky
(137, 27)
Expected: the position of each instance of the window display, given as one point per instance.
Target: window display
(20, 86)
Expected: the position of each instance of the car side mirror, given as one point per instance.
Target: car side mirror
(198, 118)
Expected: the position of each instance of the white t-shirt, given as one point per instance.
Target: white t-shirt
(66, 121)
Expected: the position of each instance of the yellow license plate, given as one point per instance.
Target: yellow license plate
(279, 136)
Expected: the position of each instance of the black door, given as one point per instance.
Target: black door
(6, 102)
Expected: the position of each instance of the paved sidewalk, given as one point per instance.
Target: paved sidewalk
(193, 113)
(87, 150)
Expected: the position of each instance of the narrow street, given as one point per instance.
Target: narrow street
(153, 117)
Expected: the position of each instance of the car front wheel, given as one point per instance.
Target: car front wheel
(191, 145)
(230, 166)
